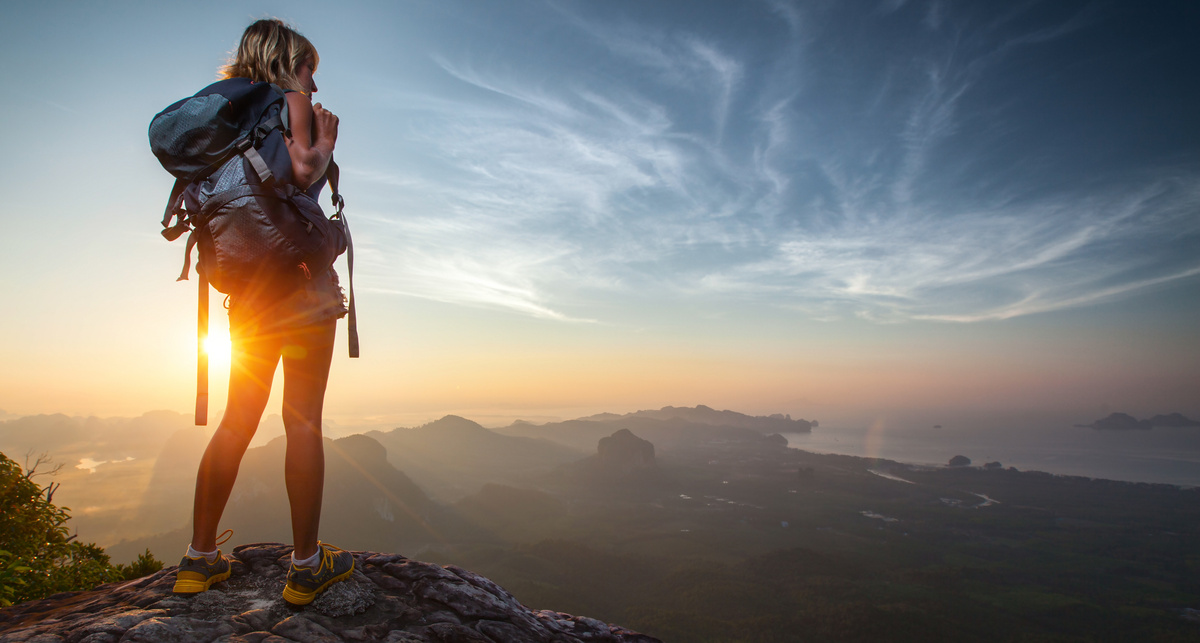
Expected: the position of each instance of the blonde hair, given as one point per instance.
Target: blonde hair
(271, 52)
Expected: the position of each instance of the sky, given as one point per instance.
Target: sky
(844, 211)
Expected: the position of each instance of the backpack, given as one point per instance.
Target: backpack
(234, 195)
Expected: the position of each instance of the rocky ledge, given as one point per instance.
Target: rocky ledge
(389, 598)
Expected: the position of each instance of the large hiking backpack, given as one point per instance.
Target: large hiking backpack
(233, 194)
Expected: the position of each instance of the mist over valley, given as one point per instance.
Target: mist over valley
(666, 519)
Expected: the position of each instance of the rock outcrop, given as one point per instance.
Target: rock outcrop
(1119, 422)
(624, 465)
(389, 598)
(624, 451)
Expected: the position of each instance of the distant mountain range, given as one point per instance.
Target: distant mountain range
(384, 489)
(777, 423)
(1126, 422)
(668, 428)
(453, 456)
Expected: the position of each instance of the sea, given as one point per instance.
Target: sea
(1160, 455)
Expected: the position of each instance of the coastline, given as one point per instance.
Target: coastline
(1157, 457)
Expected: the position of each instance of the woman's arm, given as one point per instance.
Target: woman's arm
(314, 133)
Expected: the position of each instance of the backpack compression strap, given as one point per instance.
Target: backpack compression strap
(332, 174)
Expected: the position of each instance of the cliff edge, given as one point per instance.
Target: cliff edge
(389, 598)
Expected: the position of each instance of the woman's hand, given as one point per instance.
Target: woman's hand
(325, 126)
(314, 134)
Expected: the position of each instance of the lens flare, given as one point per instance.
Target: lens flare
(873, 441)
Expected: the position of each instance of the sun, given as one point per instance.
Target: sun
(217, 344)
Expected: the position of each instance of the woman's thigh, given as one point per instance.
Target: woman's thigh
(307, 353)
(253, 359)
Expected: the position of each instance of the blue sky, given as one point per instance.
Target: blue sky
(796, 187)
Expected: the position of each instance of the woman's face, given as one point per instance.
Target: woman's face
(305, 75)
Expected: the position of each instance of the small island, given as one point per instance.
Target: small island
(1126, 422)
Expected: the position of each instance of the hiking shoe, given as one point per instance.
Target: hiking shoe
(304, 583)
(196, 575)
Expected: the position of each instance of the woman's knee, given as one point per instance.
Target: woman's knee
(232, 438)
(301, 420)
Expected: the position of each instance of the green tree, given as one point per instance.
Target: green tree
(38, 556)
(145, 565)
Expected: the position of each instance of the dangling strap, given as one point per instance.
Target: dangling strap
(172, 232)
(201, 354)
(352, 318)
(332, 174)
(187, 257)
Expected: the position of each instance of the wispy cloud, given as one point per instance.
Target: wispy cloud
(934, 15)
(693, 172)
(975, 266)
(725, 73)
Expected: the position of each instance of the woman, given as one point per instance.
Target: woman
(265, 327)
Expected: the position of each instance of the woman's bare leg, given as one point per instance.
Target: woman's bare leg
(252, 368)
(306, 358)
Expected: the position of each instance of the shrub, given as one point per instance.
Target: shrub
(39, 556)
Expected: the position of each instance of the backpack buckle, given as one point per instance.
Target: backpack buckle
(174, 232)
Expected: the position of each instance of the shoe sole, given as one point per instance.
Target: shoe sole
(194, 583)
(301, 597)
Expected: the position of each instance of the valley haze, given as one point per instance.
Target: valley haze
(658, 518)
(127, 478)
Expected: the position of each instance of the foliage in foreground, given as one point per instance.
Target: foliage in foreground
(38, 556)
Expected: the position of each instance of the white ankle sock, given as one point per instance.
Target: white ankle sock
(311, 561)
(210, 556)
